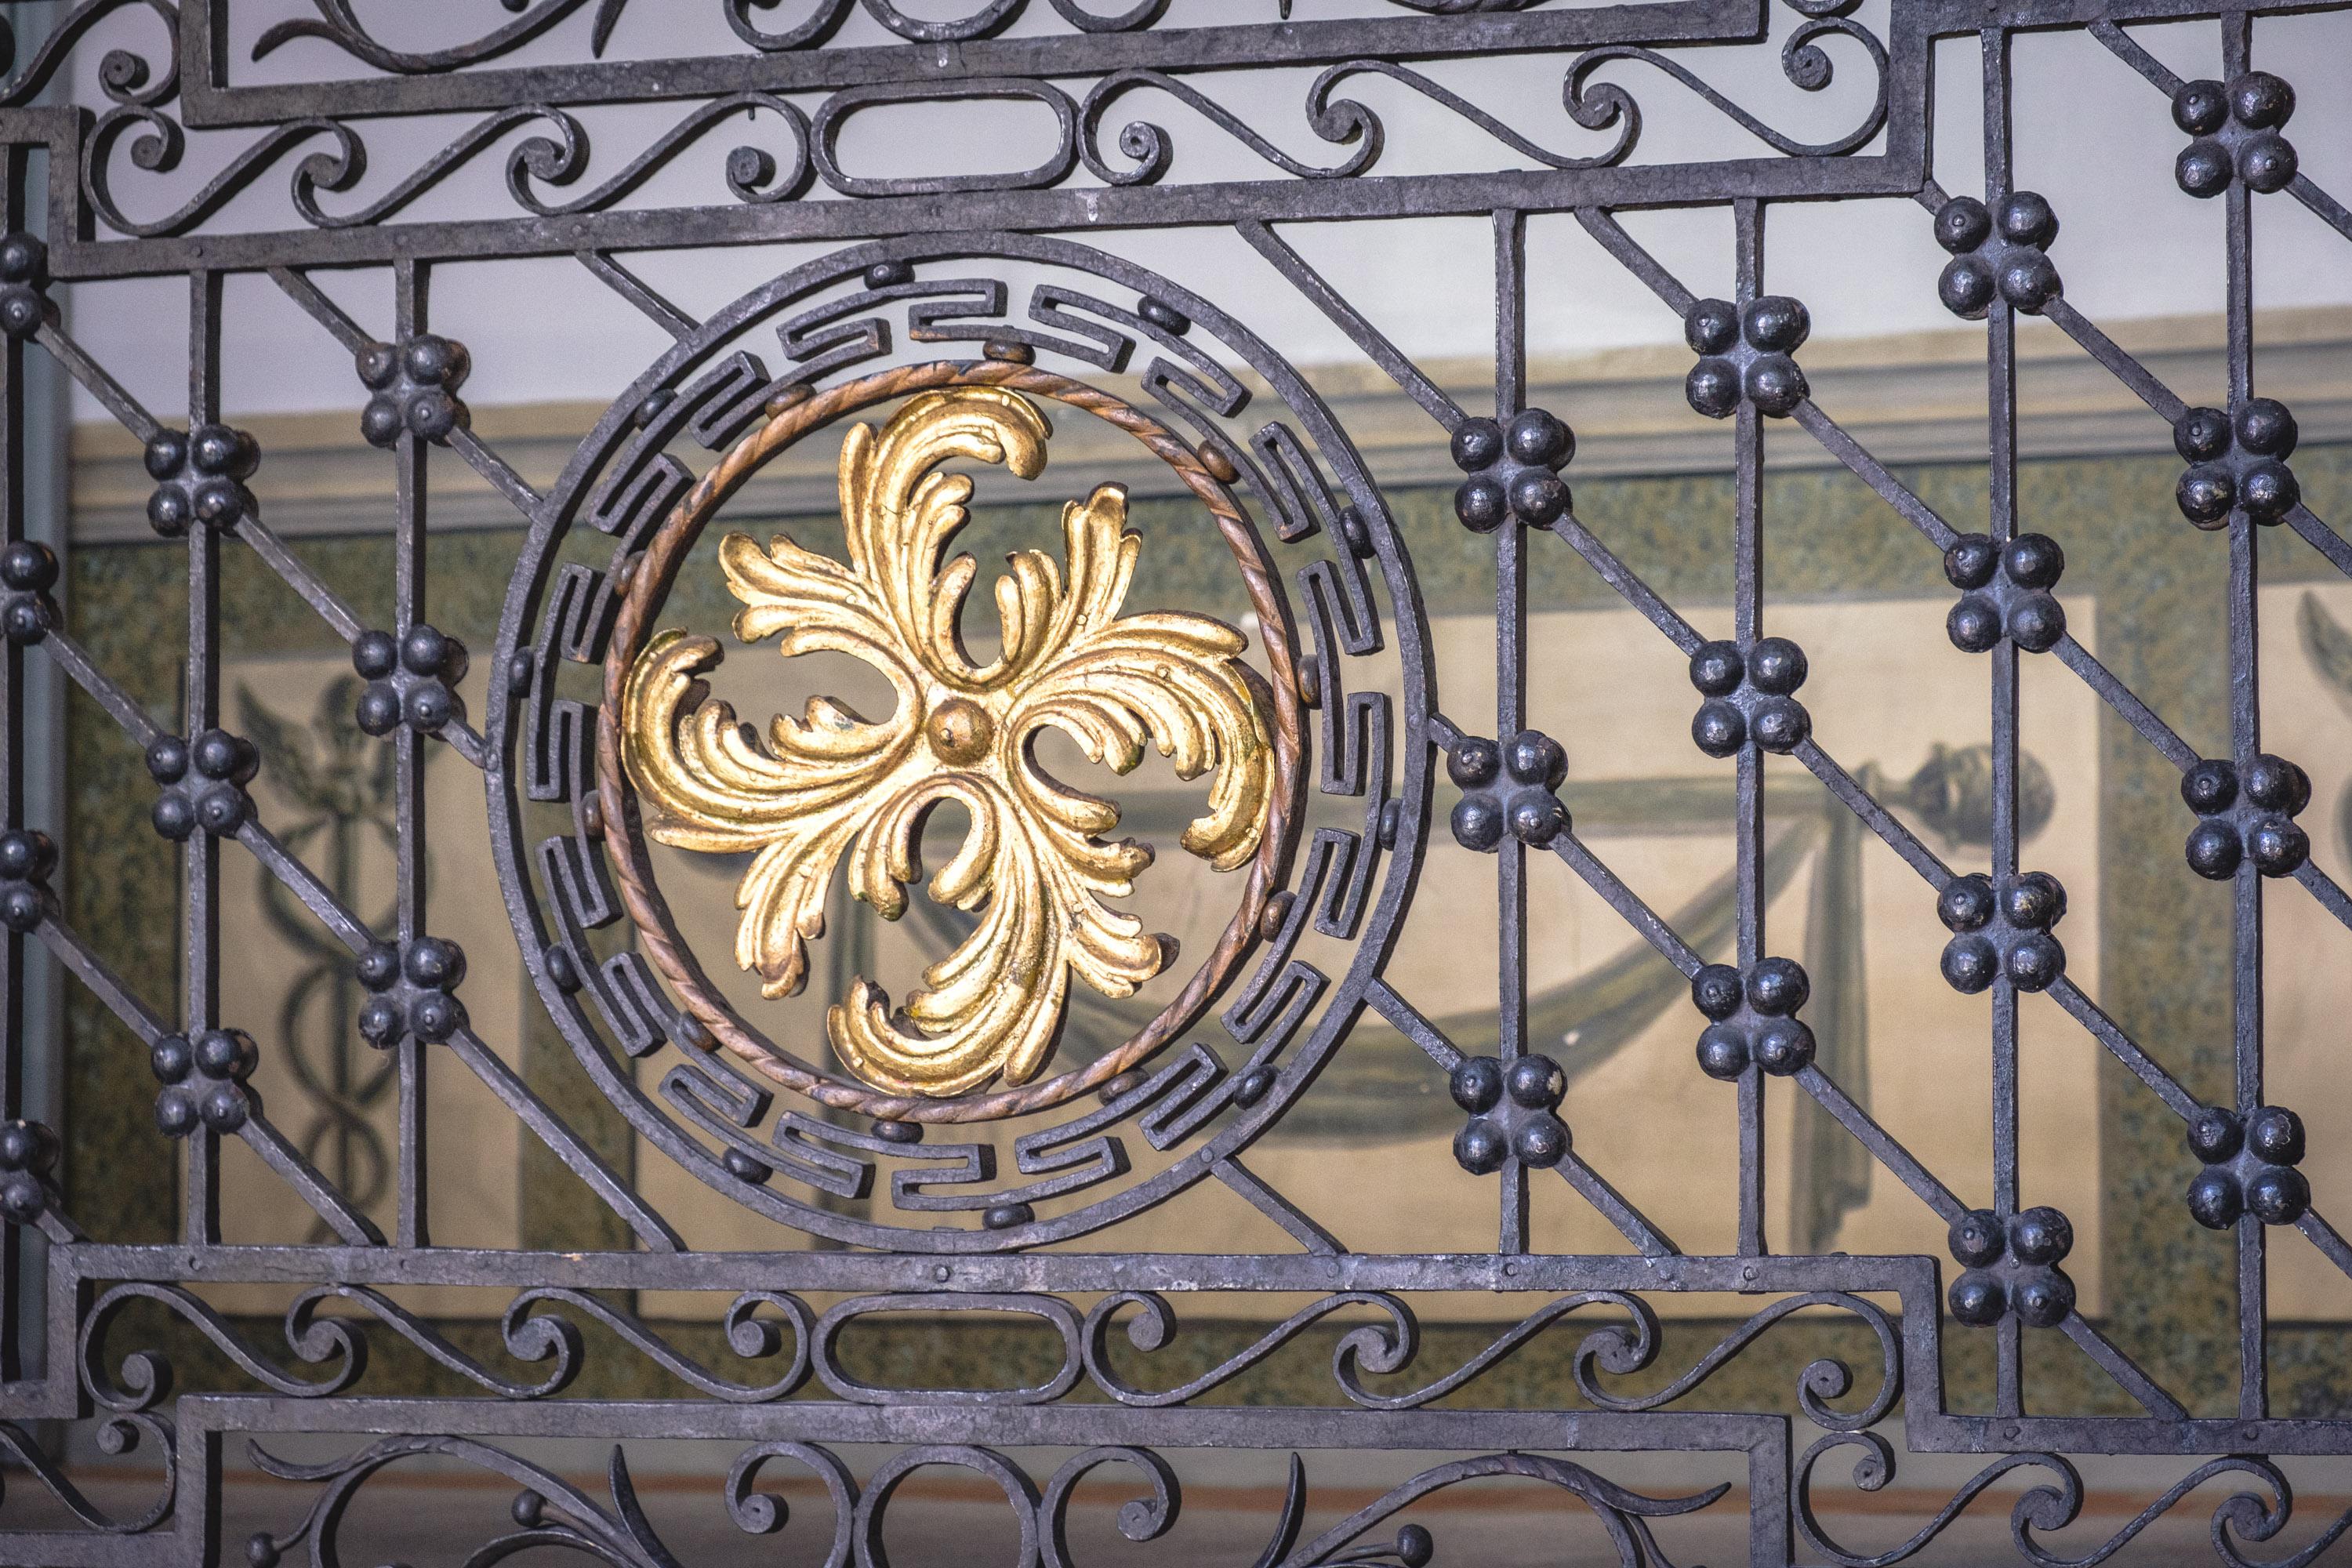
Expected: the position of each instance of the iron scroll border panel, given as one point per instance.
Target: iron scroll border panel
(1145, 175)
(88, 1277)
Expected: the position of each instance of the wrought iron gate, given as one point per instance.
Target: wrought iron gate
(1318, 731)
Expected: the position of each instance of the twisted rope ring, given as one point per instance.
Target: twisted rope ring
(647, 587)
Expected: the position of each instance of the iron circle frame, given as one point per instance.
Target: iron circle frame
(538, 557)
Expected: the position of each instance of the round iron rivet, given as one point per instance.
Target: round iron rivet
(1009, 352)
(1311, 681)
(1542, 1142)
(2215, 1134)
(1480, 1147)
(1475, 444)
(744, 1168)
(898, 1132)
(1478, 822)
(29, 565)
(1474, 761)
(1164, 316)
(1004, 1216)
(2275, 1134)
(1977, 1300)
(1220, 467)
(592, 816)
(1717, 990)
(1711, 326)
(1481, 505)
(1476, 1083)
(1270, 919)
(1124, 1084)
(2214, 1200)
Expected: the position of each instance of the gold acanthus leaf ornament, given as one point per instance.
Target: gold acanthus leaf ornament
(833, 785)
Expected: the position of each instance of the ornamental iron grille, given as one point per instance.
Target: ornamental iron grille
(1331, 776)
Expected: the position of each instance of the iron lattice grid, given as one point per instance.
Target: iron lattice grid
(1339, 549)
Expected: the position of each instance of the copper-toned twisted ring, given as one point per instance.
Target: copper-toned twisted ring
(648, 579)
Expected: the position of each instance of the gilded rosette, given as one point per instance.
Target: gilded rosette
(830, 786)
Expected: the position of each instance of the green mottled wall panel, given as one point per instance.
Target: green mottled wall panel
(2164, 964)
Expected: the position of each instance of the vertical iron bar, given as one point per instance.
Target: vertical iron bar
(2001, 421)
(1747, 626)
(33, 423)
(2245, 743)
(410, 281)
(15, 952)
(201, 705)
(1510, 693)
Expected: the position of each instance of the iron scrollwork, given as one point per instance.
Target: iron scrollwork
(551, 1511)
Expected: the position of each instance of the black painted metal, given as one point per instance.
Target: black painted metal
(929, 259)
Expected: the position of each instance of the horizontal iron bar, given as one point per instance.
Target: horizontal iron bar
(1913, 1278)
(1072, 210)
(1005, 1426)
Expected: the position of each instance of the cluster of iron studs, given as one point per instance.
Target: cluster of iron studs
(2012, 1271)
(29, 571)
(28, 1153)
(2002, 931)
(2003, 251)
(1745, 353)
(1512, 788)
(413, 989)
(24, 305)
(26, 859)
(1753, 1018)
(2246, 818)
(1750, 696)
(2248, 1167)
(2236, 461)
(200, 479)
(2005, 592)
(204, 1081)
(411, 679)
(214, 799)
(415, 386)
(1514, 473)
(1513, 1112)
(2236, 131)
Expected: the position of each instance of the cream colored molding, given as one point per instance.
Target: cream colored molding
(1916, 397)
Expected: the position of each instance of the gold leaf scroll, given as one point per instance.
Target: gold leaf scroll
(833, 785)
